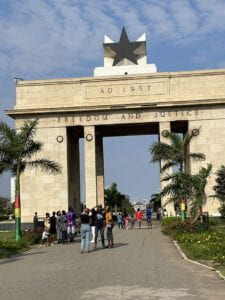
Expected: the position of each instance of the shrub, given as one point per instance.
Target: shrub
(170, 220)
(173, 226)
(12, 245)
(32, 236)
(4, 217)
(213, 221)
(222, 211)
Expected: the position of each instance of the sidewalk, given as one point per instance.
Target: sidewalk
(143, 265)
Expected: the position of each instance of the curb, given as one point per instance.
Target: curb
(183, 255)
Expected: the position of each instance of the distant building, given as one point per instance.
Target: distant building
(140, 205)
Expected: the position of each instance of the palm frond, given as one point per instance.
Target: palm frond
(175, 140)
(5, 166)
(27, 131)
(6, 133)
(197, 156)
(160, 151)
(31, 148)
(46, 165)
(167, 165)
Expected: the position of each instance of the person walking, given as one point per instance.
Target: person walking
(149, 217)
(120, 221)
(139, 217)
(99, 226)
(93, 217)
(109, 227)
(85, 231)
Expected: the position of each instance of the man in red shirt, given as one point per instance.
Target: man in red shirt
(139, 216)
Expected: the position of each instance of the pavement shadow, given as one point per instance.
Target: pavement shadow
(116, 245)
(17, 257)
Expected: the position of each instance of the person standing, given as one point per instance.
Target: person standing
(52, 229)
(139, 217)
(132, 221)
(35, 221)
(64, 227)
(126, 221)
(109, 227)
(85, 231)
(59, 226)
(99, 226)
(149, 217)
(93, 217)
(71, 223)
(46, 234)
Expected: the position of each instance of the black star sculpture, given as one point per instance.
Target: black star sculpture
(124, 49)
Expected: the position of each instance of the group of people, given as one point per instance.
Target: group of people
(60, 226)
(124, 219)
(94, 222)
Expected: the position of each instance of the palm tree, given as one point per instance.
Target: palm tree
(17, 147)
(176, 151)
(156, 200)
(219, 188)
(113, 197)
(180, 186)
(189, 187)
(199, 199)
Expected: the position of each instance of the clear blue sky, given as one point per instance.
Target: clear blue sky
(63, 38)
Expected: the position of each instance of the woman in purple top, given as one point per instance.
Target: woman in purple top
(71, 223)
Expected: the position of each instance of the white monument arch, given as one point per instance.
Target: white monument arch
(125, 97)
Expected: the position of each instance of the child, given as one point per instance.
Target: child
(132, 222)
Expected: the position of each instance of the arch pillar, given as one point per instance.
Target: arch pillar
(90, 166)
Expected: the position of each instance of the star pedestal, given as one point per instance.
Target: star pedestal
(125, 70)
(125, 57)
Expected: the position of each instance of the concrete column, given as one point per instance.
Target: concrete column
(170, 206)
(90, 166)
(100, 170)
(73, 169)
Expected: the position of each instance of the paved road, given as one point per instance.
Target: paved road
(144, 265)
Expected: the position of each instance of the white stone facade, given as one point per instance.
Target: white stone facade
(68, 109)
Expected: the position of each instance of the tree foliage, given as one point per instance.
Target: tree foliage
(219, 188)
(117, 200)
(175, 152)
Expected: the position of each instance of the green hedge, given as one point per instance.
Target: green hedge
(13, 245)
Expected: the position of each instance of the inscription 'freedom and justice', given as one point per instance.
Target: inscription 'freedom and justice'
(73, 118)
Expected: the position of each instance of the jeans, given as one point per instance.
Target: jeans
(85, 236)
(120, 225)
(109, 234)
(101, 229)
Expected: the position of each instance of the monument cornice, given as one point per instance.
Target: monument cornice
(57, 110)
(81, 80)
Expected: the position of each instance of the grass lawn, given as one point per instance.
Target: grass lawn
(7, 235)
